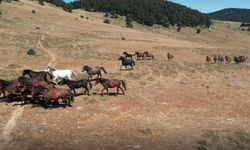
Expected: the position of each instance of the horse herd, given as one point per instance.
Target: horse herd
(42, 87)
(227, 59)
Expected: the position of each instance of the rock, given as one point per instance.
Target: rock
(146, 131)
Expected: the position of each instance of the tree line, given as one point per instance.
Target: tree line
(147, 12)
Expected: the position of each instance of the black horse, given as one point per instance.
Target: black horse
(94, 71)
(127, 55)
(86, 84)
(111, 83)
(126, 62)
(240, 59)
(38, 74)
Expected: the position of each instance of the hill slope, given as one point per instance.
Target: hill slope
(148, 12)
(231, 14)
(179, 104)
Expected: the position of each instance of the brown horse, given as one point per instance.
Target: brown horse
(208, 59)
(149, 55)
(170, 56)
(94, 71)
(215, 59)
(111, 83)
(139, 55)
(55, 94)
(221, 59)
(228, 59)
(33, 81)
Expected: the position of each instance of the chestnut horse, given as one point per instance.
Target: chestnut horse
(111, 83)
(170, 56)
(149, 55)
(139, 55)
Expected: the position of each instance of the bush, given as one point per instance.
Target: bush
(0, 13)
(87, 18)
(41, 2)
(106, 14)
(82, 16)
(198, 31)
(107, 21)
(31, 51)
(178, 29)
(248, 29)
(33, 11)
(37, 28)
(123, 38)
(114, 15)
(243, 29)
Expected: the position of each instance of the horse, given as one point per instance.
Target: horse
(55, 94)
(33, 81)
(208, 59)
(111, 83)
(240, 59)
(94, 71)
(126, 62)
(41, 74)
(61, 74)
(86, 84)
(127, 55)
(170, 56)
(149, 55)
(215, 59)
(221, 59)
(3, 86)
(139, 55)
(228, 59)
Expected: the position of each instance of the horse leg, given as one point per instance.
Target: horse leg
(107, 91)
(126, 67)
(117, 91)
(102, 91)
(121, 67)
(122, 91)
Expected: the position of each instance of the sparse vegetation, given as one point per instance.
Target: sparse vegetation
(107, 21)
(198, 31)
(33, 11)
(129, 22)
(41, 2)
(31, 51)
(178, 29)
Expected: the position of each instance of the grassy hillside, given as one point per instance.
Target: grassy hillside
(231, 14)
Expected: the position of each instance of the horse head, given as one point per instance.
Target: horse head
(85, 68)
(121, 58)
(26, 71)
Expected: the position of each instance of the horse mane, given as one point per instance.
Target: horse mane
(52, 69)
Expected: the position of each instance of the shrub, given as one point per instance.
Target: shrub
(243, 24)
(248, 29)
(123, 38)
(243, 29)
(178, 29)
(82, 16)
(198, 31)
(41, 2)
(33, 11)
(106, 14)
(87, 18)
(37, 28)
(114, 15)
(31, 51)
(107, 21)
(0, 13)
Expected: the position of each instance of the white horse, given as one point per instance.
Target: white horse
(61, 74)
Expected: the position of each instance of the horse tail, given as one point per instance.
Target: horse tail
(90, 84)
(103, 69)
(74, 74)
(71, 96)
(124, 85)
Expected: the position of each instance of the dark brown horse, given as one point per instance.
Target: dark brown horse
(126, 62)
(33, 81)
(170, 56)
(38, 74)
(215, 59)
(221, 59)
(208, 59)
(127, 55)
(139, 55)
(149, 55)
(111, 83)
(94, 71)
(228, 59)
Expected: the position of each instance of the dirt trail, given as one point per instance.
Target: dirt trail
(6, 135)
